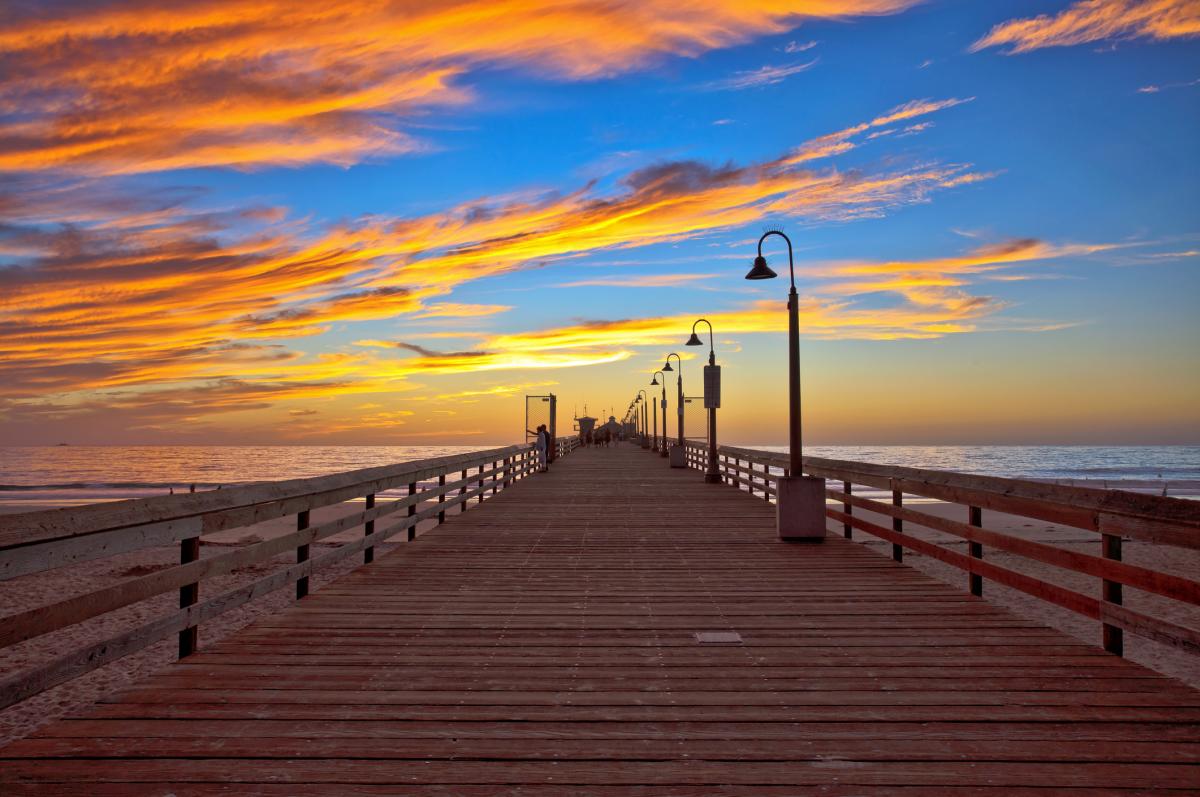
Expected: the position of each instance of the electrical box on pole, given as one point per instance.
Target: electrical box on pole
(712, 387)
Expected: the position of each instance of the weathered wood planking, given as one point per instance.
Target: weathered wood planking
(544, 644)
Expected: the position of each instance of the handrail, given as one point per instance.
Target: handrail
(1113, 514)
(35, 542)
(565, 445)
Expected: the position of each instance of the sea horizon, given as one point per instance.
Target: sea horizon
(39, 477)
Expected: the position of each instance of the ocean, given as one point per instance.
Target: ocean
(36, 477)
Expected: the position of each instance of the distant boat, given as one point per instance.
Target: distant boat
(64, 444)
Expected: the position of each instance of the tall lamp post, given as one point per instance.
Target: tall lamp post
(678, 455)
(800, 500)
(644, 399)
(663, 402)
(712, 399)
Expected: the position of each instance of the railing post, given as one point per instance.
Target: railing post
(368, 530)
(441, 497)
(189, 638)
(462, 505)
(301, 555)
(1111, 592)
(848, 508)
(975, 549)
(897, 525)
(494, 469)
(412, 510)
(479, 485)
(766, 481)
(507, 471)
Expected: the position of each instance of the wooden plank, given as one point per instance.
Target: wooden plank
(545, 644)
(26, 559)
(580, 773)
(500, 746)
(944, 731)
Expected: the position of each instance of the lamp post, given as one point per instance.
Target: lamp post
(679, 454)
(654, 381)
(712, 399)
(799, 500)
(644, 399)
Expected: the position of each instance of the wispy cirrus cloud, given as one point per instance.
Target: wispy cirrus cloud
(145, 292)
(800, 47)
(767, 75)
(128, 86)
(639, 281)
(459, 310)
(1097, 20)
(929, 299)
(493, 391)
(489, 357)
(1158, 88)
(843, 141)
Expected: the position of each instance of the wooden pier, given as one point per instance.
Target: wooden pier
(545, 643)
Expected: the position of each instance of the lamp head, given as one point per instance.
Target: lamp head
(761, 270)
(694, 340)
(654, 380)
(668, 367)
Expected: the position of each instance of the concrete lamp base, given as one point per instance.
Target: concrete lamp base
(678, 457)
(713, 478)
(800, 508)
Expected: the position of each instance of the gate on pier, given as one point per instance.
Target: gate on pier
(695, 419)
(539, 410)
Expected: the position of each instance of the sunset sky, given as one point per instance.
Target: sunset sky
(240, 221)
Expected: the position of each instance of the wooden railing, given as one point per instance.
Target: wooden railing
(1112, 514)
(565, 445)
(35, 542)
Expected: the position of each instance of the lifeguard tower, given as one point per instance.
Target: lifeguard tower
(585, 424)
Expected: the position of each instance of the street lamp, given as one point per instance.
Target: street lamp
(678, 460)
(644, 399)
(799, 500)
(712, 399)
(654, 381)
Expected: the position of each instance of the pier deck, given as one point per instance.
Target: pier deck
(544, 644)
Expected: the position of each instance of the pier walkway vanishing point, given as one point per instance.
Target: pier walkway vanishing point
(546, 643)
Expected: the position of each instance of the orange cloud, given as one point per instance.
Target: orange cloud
(495, 390)
(1097, 20)
(143, 292)
(833, 144)
(928, 304)
(132, 87)
(930, 281)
